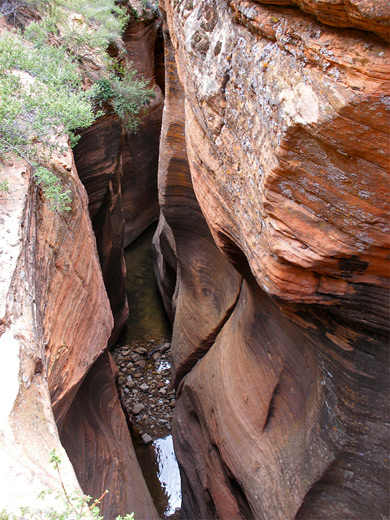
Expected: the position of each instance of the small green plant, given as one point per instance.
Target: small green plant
(70, 506)
(4, 186)
(125, 93)
(42, 95)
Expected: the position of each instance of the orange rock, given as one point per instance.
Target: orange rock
(286, 136)
(55, 322)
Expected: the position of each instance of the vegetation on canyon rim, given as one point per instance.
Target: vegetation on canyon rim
(69, 506)
(43, 93)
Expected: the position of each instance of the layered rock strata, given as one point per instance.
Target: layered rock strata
(53, 302)
(119, 171)
(55, 324)
(285, 133)
(97, 440)
(140, 155)
(205, 280)
(99, 162)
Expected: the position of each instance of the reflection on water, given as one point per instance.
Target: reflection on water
(147, 321)
(161, 473)
(147, 318)
(168, 472)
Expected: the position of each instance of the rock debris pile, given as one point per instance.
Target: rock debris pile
(145, 386)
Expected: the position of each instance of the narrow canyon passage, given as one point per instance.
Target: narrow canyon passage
(143, 359)
(263, 158)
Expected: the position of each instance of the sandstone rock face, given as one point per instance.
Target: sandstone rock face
(97, 439)
(367, 15)
(119, 171)
(286, 138)
(207, 286)
(98, 157)
(140, 155)
(55, 325)
(55, 322)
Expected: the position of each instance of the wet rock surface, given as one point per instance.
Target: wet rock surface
(144, 381)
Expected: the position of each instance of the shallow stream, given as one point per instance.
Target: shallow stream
(143, 359)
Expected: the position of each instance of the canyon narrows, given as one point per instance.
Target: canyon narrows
(264, 157)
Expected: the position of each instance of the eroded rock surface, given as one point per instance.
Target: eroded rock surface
(367, 15)
(119, 171)
(140, 156)
(285, 134)
(97, 439)
(98, 158)
(206, 287)
(53, 302)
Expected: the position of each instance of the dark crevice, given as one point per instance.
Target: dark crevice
(235, 488)
(159, 66)
(313, 489)
(272, 404)
(236, 256)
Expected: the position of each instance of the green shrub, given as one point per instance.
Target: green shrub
(42, 97)
(85, 27)
(125, 93)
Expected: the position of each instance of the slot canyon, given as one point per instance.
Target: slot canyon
(263, 162)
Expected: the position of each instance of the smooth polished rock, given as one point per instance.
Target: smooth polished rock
(281, 120)
(97, 439)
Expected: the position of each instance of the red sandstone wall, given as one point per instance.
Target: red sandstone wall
(285, 136)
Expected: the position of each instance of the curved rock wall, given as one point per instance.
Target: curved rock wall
(285, 134)
(55, 322)
(98, 157)
(119, 171)
(98, 443)
(140, 155)
(206, 287)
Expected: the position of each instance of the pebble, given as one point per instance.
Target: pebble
(165, 347)
(141, 351)
(146, 438)
(138, 408)
(146, 392)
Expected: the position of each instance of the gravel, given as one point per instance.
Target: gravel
(145, 386)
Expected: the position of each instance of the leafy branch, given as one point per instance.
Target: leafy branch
(43, 98)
